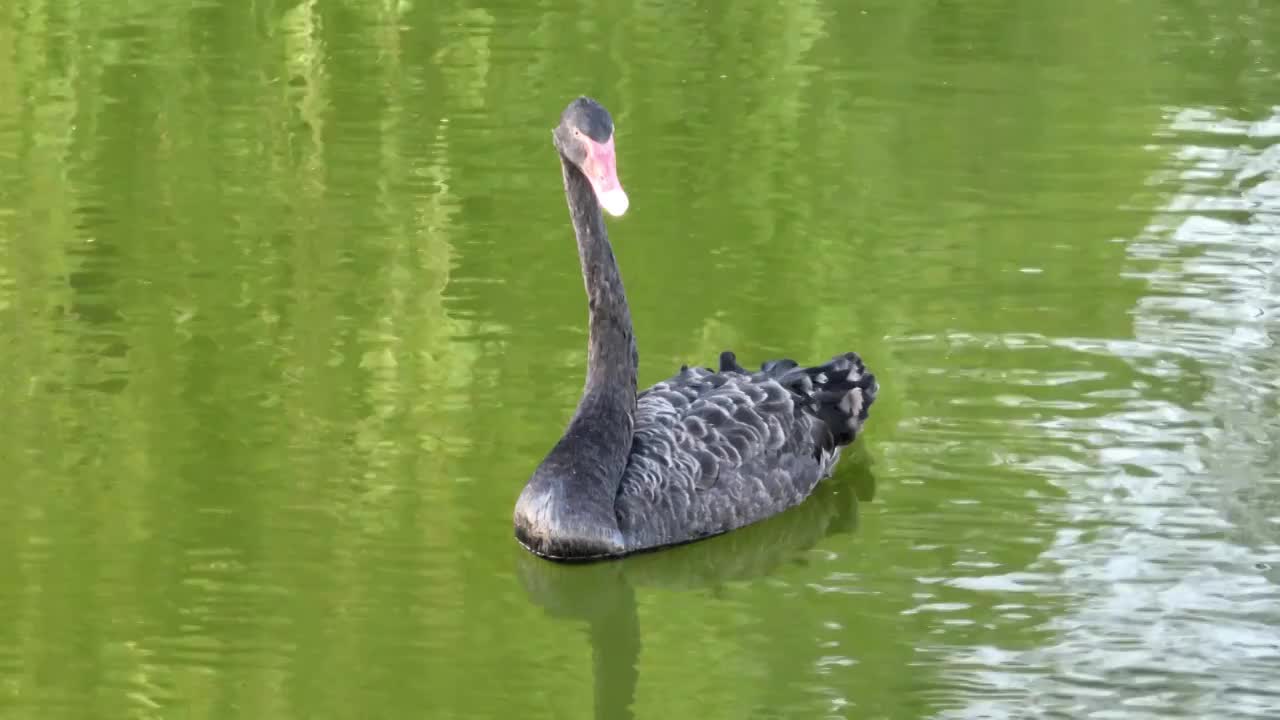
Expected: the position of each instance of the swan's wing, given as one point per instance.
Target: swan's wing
(714, 451)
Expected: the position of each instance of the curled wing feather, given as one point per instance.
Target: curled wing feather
(713, 451)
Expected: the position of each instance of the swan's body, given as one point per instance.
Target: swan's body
(700, 454)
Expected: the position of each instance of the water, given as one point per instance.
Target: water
(289, 311)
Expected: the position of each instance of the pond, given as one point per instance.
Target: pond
(290, 310)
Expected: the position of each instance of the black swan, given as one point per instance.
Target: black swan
(697, 455)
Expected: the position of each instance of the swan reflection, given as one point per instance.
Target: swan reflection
(603, 595)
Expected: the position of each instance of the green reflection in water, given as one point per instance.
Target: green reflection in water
(289, 311)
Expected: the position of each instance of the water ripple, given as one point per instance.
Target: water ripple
(1170, 577)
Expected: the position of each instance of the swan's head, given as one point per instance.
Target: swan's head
(585, 137)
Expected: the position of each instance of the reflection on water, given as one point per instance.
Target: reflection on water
(603, 594)
(289, 309)
(1167, 558)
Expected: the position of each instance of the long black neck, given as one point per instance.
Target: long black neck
(598, 439)
(611, 350)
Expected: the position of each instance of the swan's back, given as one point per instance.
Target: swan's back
(714, 451)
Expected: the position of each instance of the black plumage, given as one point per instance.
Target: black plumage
(702, 453)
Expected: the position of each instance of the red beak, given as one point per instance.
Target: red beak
(601, 169)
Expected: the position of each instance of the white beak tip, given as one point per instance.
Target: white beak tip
(615, 201)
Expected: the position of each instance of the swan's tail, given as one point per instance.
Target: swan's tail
(839, 392)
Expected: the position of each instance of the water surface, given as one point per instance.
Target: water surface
(289, 310)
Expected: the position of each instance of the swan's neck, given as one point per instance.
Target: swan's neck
(567, 507)
(611, 349)
(584, 469)
(602, 425)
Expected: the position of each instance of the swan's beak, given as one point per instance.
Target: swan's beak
(601, 169)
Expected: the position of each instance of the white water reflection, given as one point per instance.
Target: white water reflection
(1170, 566)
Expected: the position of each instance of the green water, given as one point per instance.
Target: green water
(289, 311)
